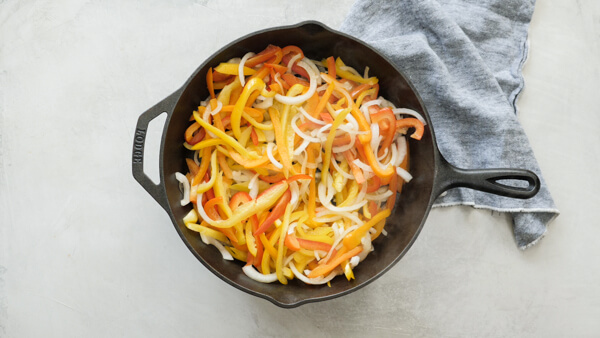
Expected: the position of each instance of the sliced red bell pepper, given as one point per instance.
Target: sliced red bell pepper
(193, 134)
(272, 178)
(275, 214)
(276, 68)
(291, 80)
(295, 68)
(313, 245)
(292, 49)
(386, 121)
(263, 56)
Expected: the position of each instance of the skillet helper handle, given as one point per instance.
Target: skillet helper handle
(487, 180)
(157, 191)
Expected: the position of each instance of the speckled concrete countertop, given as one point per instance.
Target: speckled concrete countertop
(85, 252)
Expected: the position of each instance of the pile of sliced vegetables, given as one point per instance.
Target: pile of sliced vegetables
(296, 164)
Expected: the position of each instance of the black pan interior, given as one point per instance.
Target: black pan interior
(412, 206)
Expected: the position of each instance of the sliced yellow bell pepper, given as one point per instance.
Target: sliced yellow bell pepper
(353, 239)
(233, 69)
(265, 201)
(207, 232)
(344, 74)
(281, 249)
(236, 115)
(225, 93)
(204, 144)
(203, 187)
(220, 134)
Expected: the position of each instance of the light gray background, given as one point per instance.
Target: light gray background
(86, 252)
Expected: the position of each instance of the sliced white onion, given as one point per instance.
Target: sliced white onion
(315, 69)
(379, 197)
(386, 104)
(217, 110)
(385, 152)
(362, 165)
(241, 67)
(241, 176)
(339, 239)
(310, 118)
(354, 261)
(323, 87)
(348, 146)
(406, 111)
(276, 163)
(352, 121)
(374, 136)
(367, 247)
(251, 272)
(265, 102)
(406, 176)
(209, 240)
(350, 69)
(312, 281)
(401, 145)
(323, 217)
(295, 189)
(290, 63)
(366, 75)
(292, 228)
(302, 134)
(277, 79)
(301, 147)
(184, 184)
(301, 98)
(206, 119)
(342, 172)
(253, 186)
(334, 218)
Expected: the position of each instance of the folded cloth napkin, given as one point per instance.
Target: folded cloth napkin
(465, 59)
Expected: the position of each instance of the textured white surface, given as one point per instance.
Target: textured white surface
(86, 252)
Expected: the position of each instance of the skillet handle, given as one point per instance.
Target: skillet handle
(157, 191)
(486, 180)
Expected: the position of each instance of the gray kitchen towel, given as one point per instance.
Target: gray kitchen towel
(465, 59)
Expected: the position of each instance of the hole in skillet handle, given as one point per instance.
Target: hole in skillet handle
(156, 190)
(487, 180)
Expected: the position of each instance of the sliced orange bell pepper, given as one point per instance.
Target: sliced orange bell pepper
(412, 122)
(331, 67)
(326, 268)
(209, 83)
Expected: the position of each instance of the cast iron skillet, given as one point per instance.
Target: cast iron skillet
(432, 173)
